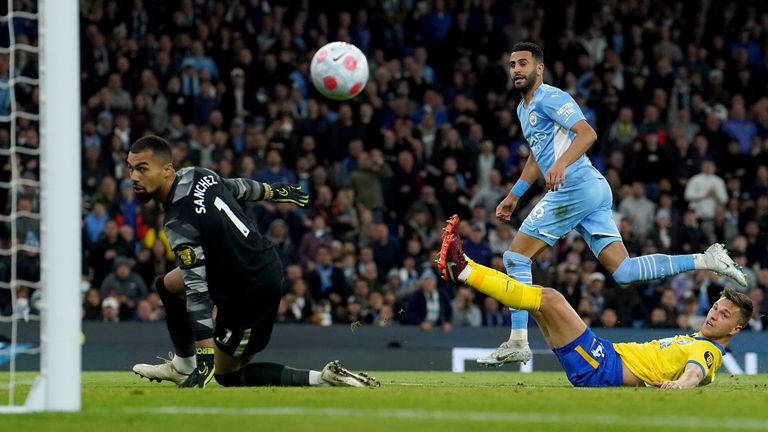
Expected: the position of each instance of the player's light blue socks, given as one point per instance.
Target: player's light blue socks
(650, 267)
(518, 268)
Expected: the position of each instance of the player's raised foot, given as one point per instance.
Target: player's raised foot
(507, 353)
(451, 227)
(160, 372)
(451, 261)
(337, 375)
(717, 260)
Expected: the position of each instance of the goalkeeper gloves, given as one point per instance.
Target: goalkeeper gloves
(203, 373)
(287, 193)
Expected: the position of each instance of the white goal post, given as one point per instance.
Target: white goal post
(57, 387)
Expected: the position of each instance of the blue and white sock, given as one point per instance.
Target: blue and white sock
(651, 267)
(518, 268)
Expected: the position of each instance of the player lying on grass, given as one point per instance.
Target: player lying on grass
(223, 260)
(681, 361)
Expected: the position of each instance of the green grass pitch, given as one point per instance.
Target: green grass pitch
(407, 401)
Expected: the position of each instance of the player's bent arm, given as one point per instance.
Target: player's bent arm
(250, 190)
(585, 137)
(530, 174)
(247, 189)
(691, 377)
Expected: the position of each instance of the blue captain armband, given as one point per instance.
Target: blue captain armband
(520, 187)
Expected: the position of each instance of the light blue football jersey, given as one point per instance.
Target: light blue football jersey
(547, 126)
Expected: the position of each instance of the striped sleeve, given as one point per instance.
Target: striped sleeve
(185, 242)
(245, 189)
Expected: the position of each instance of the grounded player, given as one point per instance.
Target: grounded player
(578, 198)
(677, 362)
(223, 260)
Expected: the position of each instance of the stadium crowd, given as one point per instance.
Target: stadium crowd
(678, 99)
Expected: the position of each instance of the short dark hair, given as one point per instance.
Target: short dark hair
(536, 52)
(158, 146)
(742, 301)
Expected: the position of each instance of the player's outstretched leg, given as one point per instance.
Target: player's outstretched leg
(658, 266)
(456, 267)
(335, 374)
(277, 375)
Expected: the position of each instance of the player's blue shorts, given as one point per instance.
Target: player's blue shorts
(590, 361)
(585, 206)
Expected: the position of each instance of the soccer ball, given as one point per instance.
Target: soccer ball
(339, 70)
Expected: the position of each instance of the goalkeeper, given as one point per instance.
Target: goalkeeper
(225, 261)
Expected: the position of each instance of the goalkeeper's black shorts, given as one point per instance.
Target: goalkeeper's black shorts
(244, 324)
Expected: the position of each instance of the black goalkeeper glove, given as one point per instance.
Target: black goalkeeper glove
(203, 373)
(287, 193)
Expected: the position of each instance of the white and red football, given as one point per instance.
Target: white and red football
(339, 70)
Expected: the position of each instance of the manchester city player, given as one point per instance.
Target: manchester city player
(578, 198)
(682, 361)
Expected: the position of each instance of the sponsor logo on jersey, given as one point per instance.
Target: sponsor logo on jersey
(201, 186)
(566, 110)
(709, 358)
(186, 254)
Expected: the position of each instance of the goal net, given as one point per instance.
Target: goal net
(40, 245)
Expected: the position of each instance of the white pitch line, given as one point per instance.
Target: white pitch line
(692, 422)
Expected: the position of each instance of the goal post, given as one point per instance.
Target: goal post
(60, 328)
(58, 383)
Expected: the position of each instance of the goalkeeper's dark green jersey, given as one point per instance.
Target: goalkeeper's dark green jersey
(220, 251)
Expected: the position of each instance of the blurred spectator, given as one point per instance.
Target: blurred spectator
(571, 286)
(430, 306)
(366, 180)
(279, 235)
(109, 246)
(476, 247)
(493, 316)
(92, 305)
(110, 310)
(124, 285)
(705, 191)
(759, 319)
(326, 281)
(609, 318)
(625, 301)
(595, 291)
(318, 236)
(638, 209)
(465, 311)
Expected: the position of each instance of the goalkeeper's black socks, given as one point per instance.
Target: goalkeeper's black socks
(177, 320)
(265, 374)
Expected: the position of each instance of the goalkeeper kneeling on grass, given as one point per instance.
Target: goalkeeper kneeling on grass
(223, 260)
(677, 362)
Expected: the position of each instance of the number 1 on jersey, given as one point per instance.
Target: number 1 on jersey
(222, 206)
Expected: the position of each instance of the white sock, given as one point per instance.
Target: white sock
(185, 365)
(465, 273)
(518, 337)
(698, 262)
(315, 380)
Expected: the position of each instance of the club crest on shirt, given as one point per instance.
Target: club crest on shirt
(186, 254)
(709, 358)
(532, 119)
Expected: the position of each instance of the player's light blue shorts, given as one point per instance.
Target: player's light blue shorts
(585, 206)
(590, 361)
